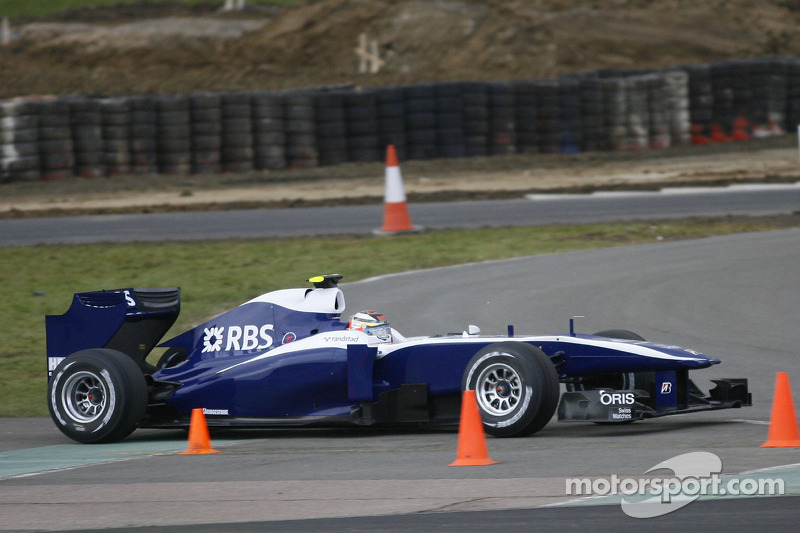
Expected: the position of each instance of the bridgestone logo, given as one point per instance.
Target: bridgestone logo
(212, 412)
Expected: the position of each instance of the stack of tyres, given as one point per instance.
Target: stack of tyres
(569, 108)
(793, 93)
(56, 158)
(724, 109)
(744, 97)
(19, 128)
(206, 132)
(502, 126)
(174, 134)
(420, 103)
(143, 132)
(768, 89)
(549, 118)
(637, 113)
(474, 106)
(659, 131)
(331, 127)
(269, 136)
(449, 121)
(391, 111)
(527, 116)
(701, 102)
(740, 74)
(361, 114)
(237, 132)
(594, 134)
(615, 107)
(86, 126)
(299, 120)
(116, 119)
(676, 102)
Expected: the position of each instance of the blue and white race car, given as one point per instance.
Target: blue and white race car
(286, 358)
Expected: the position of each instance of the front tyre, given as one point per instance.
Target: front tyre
(97, 395)
(516, 387)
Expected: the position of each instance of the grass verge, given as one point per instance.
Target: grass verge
(216, 276)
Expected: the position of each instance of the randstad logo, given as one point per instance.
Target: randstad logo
(237, 338)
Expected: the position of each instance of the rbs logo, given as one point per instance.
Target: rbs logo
(237, 338)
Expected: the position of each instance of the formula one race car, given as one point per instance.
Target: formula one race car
(285, 358)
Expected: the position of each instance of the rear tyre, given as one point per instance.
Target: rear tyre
(516, 387)
(97, 395)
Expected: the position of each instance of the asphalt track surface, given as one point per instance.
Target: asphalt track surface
(296, 222)
(733, 297)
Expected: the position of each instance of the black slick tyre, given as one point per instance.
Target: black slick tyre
(516, 387)
(97, 395)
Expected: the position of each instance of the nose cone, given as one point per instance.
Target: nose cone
(681, 357)
(701, 361)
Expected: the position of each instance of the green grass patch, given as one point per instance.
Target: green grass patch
(215, 276)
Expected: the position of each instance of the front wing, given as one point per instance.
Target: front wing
(608, 405)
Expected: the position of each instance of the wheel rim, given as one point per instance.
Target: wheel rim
(498, 389)
(84, 396)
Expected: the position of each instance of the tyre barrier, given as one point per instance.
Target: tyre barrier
(420, 120)
(142, 136)
(86, 129)
(237, 132)
(474, 106)
(115, 120)
(174, 134)
(300, 127)
(332, 133)
(269, 133)
(19, 127)
(450, 141)
(391, 111)
(205, 112)
(49, 137)
(361, 120)
(56, 159)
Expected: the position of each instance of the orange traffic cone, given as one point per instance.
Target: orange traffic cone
(472, 450)
(782, 422)
(395, 215)
(199, 439)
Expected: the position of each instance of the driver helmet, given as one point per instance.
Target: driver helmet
(373, 324)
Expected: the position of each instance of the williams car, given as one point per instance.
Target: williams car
(287, 358)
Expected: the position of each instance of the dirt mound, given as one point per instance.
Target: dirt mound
(168, 47)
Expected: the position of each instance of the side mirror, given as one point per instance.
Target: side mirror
(471, 330)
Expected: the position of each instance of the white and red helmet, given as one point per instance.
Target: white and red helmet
(373, 324)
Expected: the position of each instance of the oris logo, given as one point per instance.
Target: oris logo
(237, 338)
(613, 398)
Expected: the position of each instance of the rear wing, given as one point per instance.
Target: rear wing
(131, 321)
